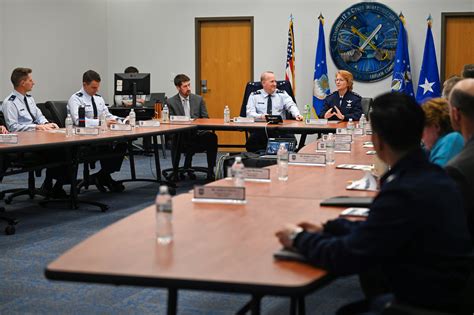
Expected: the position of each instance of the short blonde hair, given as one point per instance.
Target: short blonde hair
(437, 113)
(346, 75)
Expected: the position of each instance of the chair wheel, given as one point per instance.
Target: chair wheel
(10, 230)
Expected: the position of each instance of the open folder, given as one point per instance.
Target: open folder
(346, 201)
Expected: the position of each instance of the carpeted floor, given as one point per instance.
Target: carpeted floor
(45, 233)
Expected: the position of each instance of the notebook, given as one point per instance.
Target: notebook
(273, 145)
(346, 201)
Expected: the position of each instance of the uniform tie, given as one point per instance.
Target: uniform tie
(269, 104)
(94, 107)
(28, 108)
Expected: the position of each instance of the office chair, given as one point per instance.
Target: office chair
(366, 104)
(255, 86)
(29, 166)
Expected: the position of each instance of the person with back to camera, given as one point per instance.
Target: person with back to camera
(439, 138)
(343, 104)
(415, 244)
(126, 100)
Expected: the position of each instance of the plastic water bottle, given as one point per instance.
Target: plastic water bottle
(282, 158)
(330, 149)
(164, 216)
(165, 114)
(102, 122)
(226, 114)
(362, 122)
(237, 172)
(307, 112)
(69, 126)
(350, 126)
(82, 116)
(132, 118)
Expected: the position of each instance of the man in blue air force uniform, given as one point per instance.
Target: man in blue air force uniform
(94, 106)
(268, 101)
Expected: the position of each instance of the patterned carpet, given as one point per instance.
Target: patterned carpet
(45, 233)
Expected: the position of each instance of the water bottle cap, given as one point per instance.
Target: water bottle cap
(238, 159)
(163, 189)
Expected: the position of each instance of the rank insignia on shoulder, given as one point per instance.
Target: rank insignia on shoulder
(79, 94)
(12, 98)
(257, 92)
(280, 91)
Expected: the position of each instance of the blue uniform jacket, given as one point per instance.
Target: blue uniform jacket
(350, 106)
(416, 232)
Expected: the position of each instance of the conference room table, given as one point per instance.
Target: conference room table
(44, 140)
(216, 247)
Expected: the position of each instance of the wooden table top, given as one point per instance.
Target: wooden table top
(36, 140)
(215, 247)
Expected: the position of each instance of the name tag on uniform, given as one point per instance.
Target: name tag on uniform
(11, 138)
(179, 118)
(219, 194)
(307, 159)
(87, 131)
(120, 127)
(149, 123)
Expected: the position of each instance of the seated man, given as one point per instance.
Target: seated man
(184, 103)
(268, 101)
(461, 167)
(94, 106)
(22, 114)
(418, 240)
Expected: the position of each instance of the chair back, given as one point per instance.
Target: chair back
(366, 104)
(46, 112)
(58, 110)
(257, 85)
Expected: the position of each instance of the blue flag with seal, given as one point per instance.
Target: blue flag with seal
(321, 82)
(401, 81)
(428, 83)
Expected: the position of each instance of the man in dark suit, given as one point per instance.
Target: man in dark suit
(461, 167)
(191, 105)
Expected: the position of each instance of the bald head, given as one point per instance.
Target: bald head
(461, 102)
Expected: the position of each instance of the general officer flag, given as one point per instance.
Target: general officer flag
(401, 81)
(321, 82)
(428, 84)
(290, 57)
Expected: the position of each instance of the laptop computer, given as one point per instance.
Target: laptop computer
(273, 145)
(154, 98)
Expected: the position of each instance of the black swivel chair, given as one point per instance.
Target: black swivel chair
(257, 85)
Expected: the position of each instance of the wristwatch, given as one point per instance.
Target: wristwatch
(294, 234)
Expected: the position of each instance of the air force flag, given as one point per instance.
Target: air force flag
(401, 81)
(428, 84)
(321, 82)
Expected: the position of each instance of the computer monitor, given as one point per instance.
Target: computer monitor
(132, 84)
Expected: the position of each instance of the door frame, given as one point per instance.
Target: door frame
(444, 17)
(197, 28)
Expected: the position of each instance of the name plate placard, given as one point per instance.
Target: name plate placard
(246, 120)
(343, 147)
(307, 159)
(179, 118)
(11, 138)
(314, 121)
(149, 123)
(343, 138)
(256, 174)
(219, 194)
(120, 127)
(341, 131)
(86, 131)
(359, 131)
(368, 131)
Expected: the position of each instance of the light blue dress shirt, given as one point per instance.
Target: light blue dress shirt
(82, 98)
(17, 117)
(447, 147)
(281, 103)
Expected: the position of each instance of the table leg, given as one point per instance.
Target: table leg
(172, 301)
(297, 305)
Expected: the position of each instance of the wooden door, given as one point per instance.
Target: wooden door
(224, 58)
(457, 43)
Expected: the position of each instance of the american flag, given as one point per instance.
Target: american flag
(290, 57)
